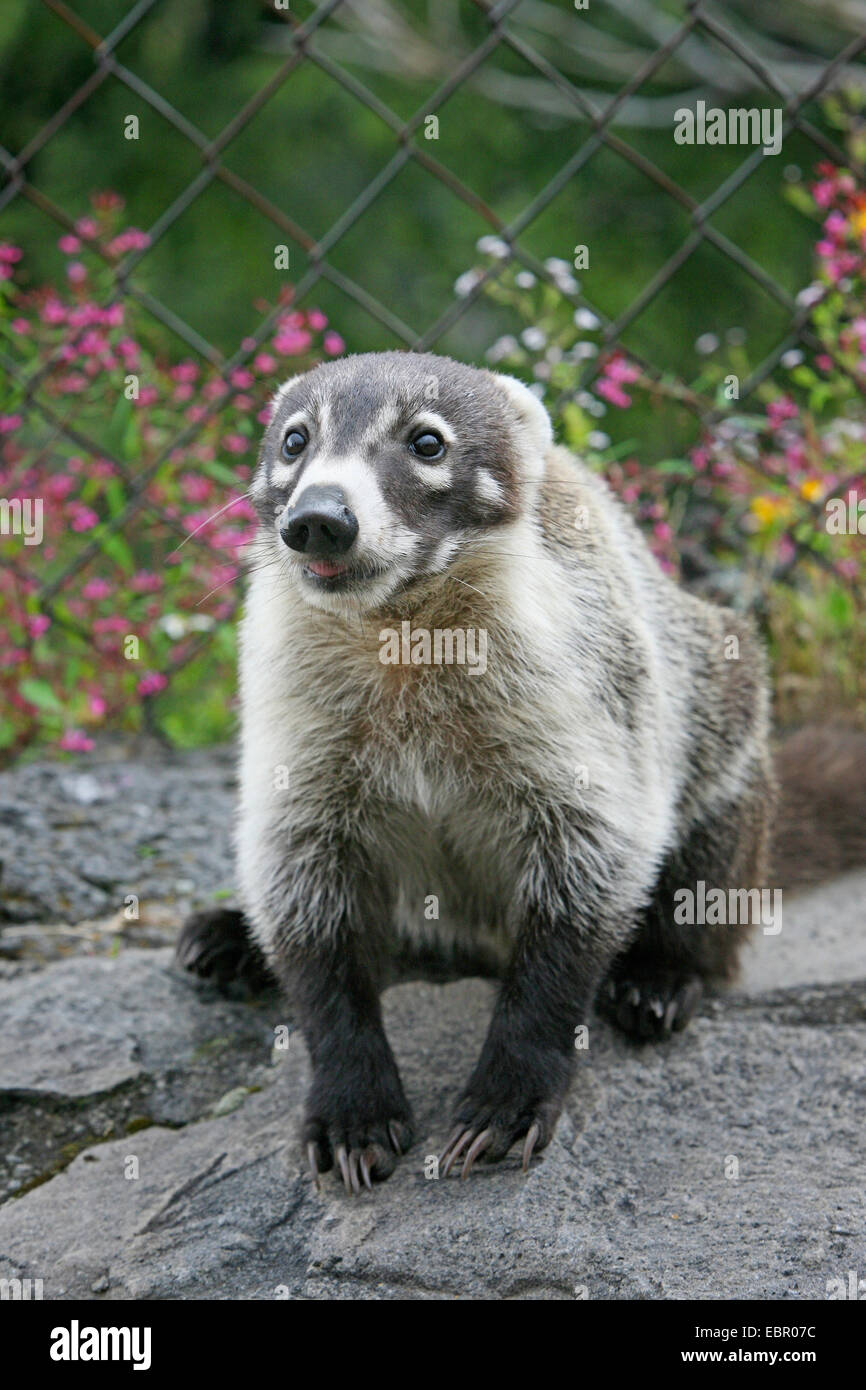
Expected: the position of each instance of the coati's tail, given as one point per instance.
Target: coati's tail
(820, 825)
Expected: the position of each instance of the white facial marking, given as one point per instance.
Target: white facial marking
(435, 476)
(488, 488)
(444, 554)
(428, 419)
(381, 428)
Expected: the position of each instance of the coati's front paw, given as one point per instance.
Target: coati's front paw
(363, 1126)
(651, 1007)
(510, 1099)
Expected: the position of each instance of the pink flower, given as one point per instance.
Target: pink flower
(243, 403)
(144, 582)
(196, 487)
(97, 706)
(265, 414)
(151, 683)
(316, 320)
(235, 443)
(53, 312)
(9, 254)
(824, 192)
(131, 240)
(87, 227)
(59, 486)
(333, 344)
(184, 371)
(620, 369)
(289, 342)
(37, 624)
(613, 393)
(8, 423)
(20, 326)
(241, 378)
(83, 518)
(97, 589)
(76, 272)
(69, 245)
(74, 741)
(264, 362)
(780, 410)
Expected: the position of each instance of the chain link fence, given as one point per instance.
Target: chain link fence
(666, 36)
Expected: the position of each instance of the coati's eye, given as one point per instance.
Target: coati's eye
(295, 442)
(427, 444)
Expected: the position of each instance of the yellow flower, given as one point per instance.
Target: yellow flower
(767, 509)
(811, 489)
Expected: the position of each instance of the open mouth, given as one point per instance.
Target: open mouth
(331, 575)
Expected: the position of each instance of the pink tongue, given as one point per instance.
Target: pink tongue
(324, 568)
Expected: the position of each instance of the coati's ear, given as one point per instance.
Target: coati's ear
(530, 412)
(282, 391)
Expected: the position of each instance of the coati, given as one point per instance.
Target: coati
(614, 749)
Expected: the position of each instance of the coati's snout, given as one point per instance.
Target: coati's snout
(382, 470)
(321, 527)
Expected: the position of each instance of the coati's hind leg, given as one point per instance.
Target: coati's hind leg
(654, 988)
(216, 945)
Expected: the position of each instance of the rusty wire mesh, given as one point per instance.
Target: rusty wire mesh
(600, 114)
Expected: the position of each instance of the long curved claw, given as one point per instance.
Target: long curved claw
(455, 1134)
(353, 1172)
(479, 1144)
(343, 1161)
(456, 1148)
(365, 1172)
(532, 1137)
(313, 1160)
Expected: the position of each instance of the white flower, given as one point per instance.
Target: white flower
(201, 622)
(465, 283)
(533, 338)
(557, 267)
(586, 319)
(494, 246)
(581, 351)
(706, 343)
(524, 280)
(792, 358)
(596, 408)
(597, 439)
(503, 347)
(173, 625)
(542, 371)
(810, 295)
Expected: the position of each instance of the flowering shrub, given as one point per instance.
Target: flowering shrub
(768, 506)
(133, 576)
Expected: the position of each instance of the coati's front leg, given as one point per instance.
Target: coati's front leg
(325, 926)
(571, 929)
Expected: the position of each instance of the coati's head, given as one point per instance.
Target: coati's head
(378, 471)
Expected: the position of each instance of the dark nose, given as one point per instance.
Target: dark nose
(320, 524)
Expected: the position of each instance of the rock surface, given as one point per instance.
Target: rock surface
(148, 1133)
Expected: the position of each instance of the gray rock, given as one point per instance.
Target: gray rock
(725, 1164)
(76, 837)
(148, 1127)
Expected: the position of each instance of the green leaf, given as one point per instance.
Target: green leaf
(39, 693)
